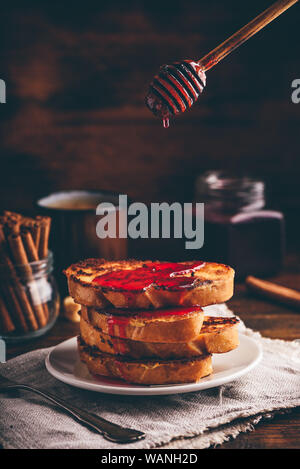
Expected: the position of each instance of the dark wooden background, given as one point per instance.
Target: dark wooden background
(76, 79)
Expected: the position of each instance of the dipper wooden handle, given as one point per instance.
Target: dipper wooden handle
(247, 31)
(275, 292)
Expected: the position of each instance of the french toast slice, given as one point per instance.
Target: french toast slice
(146, 285)
(145, 372)
(176, 324)
(218, 335)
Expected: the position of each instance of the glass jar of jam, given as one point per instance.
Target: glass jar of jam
(238, 230)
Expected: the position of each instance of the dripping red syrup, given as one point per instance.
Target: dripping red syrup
(117, 330)
(123, 313)
(118, 345)
(117, 323)
(166, 122)
(167, 275)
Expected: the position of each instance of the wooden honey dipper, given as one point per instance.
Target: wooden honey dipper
(177, 86)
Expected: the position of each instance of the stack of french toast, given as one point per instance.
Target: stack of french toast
(143, 322)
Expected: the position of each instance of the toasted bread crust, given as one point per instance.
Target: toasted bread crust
(213, 284)
(145, 372)
(219, 335)
(177, 328)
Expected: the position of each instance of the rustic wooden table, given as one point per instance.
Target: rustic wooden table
(272, 320)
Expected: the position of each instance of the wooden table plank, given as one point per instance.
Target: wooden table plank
(61, 331)
(281, 431)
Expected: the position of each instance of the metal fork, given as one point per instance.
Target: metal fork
(110, 431)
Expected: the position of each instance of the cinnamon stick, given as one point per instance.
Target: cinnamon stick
(18, 251)
(44, 236)
(29, 246)
(20, 257)
(6, 324)
(32, 256)
(33, 226)
(275, 292)
(12, 215)
(12, 226)
(17, 310)
(36, 234)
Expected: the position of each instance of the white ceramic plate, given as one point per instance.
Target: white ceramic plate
(64, 364)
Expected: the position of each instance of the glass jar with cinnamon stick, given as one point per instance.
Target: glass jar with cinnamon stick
(29, 301)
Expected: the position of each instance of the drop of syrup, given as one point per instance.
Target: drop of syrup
(166, 122)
